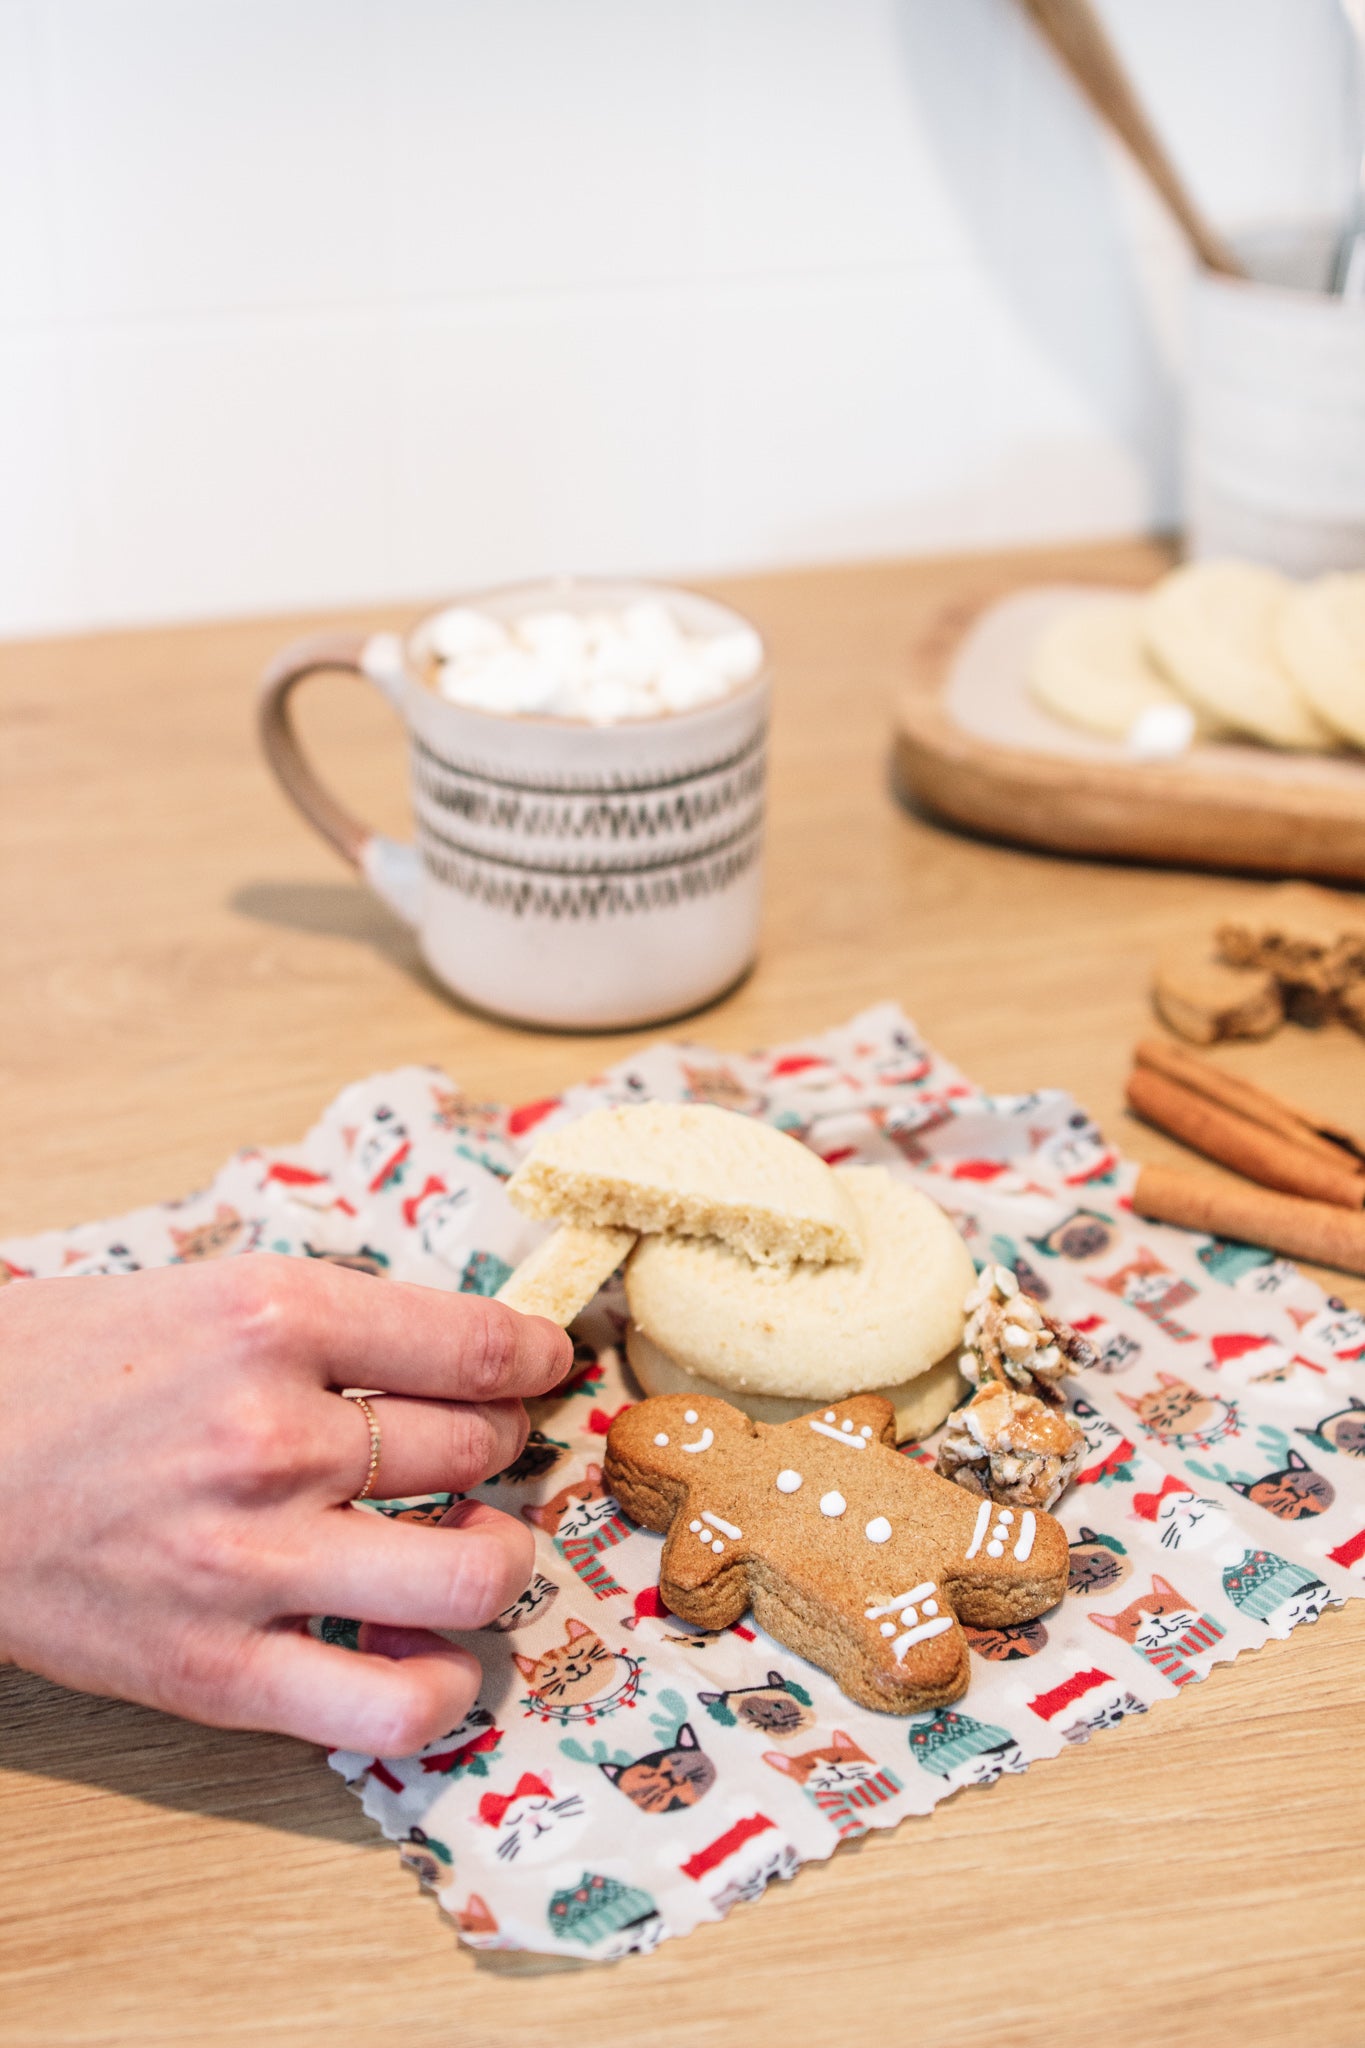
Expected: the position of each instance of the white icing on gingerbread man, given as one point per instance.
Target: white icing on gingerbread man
(822, 1544)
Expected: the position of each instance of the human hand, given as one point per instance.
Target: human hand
(175, 1475)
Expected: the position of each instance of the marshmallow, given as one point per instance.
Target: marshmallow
(458, 633)
(600, 667)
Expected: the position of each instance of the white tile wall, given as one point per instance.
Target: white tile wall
(314, 301)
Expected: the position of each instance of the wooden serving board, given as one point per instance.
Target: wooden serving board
(972, 746)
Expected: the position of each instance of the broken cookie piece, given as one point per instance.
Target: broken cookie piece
(1204, 998)
(560, 1277)
(1311, 939)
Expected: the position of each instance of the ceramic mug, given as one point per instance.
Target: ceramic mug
(575, 876)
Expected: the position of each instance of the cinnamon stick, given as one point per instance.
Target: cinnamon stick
(1233, 1140)
(1246, 1099)
(1317, 1231)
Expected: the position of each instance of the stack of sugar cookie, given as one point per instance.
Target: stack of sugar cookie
(753, 1271)
(1215, 649)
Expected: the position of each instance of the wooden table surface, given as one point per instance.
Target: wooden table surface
(187, 970)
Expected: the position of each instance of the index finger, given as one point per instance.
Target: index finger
(347, 1329)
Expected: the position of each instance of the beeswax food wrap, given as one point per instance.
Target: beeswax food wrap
(624, 1776)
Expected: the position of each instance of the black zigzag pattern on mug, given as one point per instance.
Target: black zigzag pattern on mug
(525, 893)
(611, 819)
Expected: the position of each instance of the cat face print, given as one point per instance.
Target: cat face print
(1153, 1620)
(381, 1146)
(721, 1087)
(578, 1508)
(1186, 1521)
(1342, 1431)
(224, 1232)
(429, 1860)
(666, 1779)
(1293, 1493)
(778, 1708)
(1096, 1565)
(1106, 1716)
(1083, 1235)
(1176, 1413)
(580, 1678)
(538, 1455)
(1004, 1645)
(529, 1605)
(112, 1258)
(531, 1823)
(836, 1764)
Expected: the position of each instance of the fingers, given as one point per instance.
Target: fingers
(459, 1575)
(345, 1330)
(402, 1690)
(424, 1446)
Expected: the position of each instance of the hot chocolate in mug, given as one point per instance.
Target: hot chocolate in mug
(573, 875)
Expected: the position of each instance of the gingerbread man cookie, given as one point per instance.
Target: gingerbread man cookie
(857, 1558)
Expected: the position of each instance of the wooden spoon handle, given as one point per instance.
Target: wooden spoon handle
(1075, 33)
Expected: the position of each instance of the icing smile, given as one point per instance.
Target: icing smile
(703, 1443)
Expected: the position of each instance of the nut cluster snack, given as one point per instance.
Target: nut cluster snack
(1011, 1447)
(1011, 1339)
(1012, 1441)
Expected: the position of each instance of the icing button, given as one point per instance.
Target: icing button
(846, 1424)
(1007, 1516)
(995, 1550)
(788, 1481)
(878, 1530)
(829, 1415)
(929, 1607)
(716, 1546)
(888, 1628)
(694, 1527)
(832, 1504)
(866, 1429)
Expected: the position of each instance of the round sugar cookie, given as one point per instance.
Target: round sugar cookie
(921, 1404)
(1091, 668)
(811, 1333)
(1211, 628)
(1321, 641)
(690, 1168)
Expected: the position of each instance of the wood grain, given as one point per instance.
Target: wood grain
(186, 970)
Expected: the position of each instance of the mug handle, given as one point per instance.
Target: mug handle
(390, 866)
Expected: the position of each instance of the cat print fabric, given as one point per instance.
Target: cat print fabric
(625, 1776)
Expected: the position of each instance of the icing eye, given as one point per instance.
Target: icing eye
(878, 1530)
(788, 1481)
(661, 1439)
(690, 1416)
(832, 1504)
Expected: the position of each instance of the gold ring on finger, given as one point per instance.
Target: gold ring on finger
(362, 1401)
